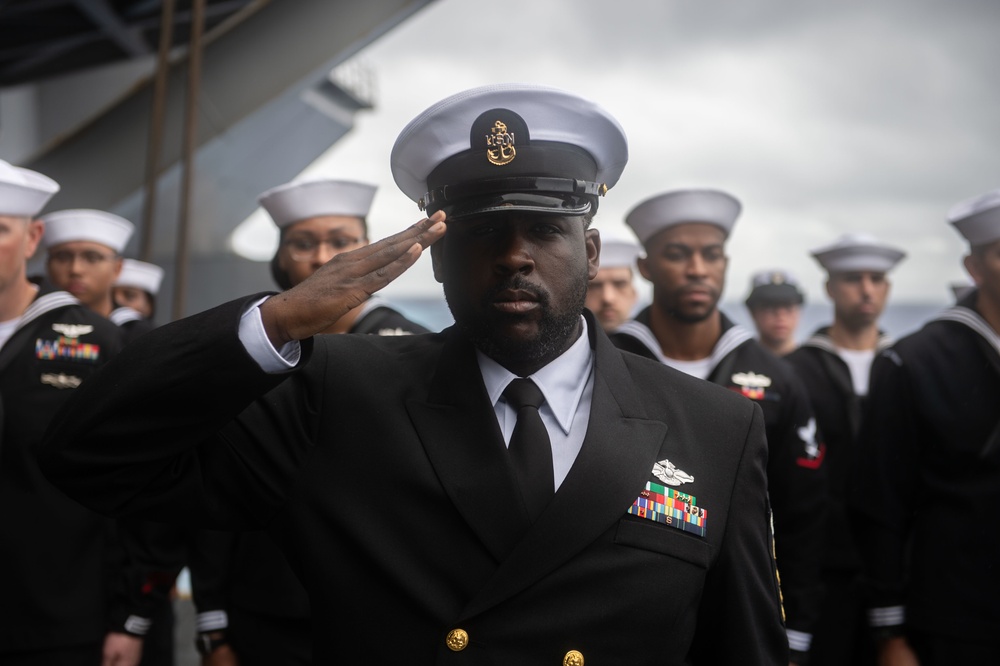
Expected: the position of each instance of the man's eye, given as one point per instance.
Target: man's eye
(302, 244)
(482, 229)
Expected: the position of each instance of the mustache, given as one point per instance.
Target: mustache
(519, 283)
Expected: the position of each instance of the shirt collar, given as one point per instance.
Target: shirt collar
(562, 381)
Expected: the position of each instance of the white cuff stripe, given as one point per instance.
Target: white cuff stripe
(212, 621)
(138, 625)
(890, 616)
(799, 640)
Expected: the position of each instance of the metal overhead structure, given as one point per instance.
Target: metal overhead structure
(76, 97)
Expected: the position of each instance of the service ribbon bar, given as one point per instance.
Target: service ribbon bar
(67, 349)
(670, 507)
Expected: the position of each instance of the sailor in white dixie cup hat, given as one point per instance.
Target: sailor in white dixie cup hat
(495, 493)
(137, 286)
(612, 295)
(684, 234)
(56, 553)
(318, 220)
(835, 363)
(931, 422)
(85, 253)
(978, 221)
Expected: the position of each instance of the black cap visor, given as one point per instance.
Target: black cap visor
(774, 294)
(545, 204)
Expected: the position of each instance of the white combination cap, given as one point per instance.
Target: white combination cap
(141, 275)
(23, 192)
(510, 147)
(669, 209)
(858, 252)
(299, 200)
(619, 253)
(978, 219)
(85, 224)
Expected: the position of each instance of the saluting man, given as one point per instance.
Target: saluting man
(834, 364)
(927, 491)
(611, 295)
(55, 603)
(684, 234)
(513, 490)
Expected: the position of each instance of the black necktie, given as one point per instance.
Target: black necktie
(529, 447)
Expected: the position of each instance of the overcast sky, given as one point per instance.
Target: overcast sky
(821, 117)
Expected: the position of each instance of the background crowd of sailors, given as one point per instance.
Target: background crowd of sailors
(883, 456)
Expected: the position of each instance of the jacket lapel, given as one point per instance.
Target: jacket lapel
(611, 469)
(458, 429)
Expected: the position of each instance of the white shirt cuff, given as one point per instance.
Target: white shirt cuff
(255, 341)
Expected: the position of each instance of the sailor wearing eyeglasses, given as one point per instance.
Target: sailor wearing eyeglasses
(250, 603)
(319, 219)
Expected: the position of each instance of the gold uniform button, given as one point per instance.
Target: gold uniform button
(458, 639)
(573, 658)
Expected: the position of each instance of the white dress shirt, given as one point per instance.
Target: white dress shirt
(567, 384)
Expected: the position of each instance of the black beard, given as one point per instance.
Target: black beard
(555, 329)
(690, 318)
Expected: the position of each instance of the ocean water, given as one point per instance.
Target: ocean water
(898, 319)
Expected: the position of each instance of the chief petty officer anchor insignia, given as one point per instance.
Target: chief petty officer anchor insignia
(501, 144)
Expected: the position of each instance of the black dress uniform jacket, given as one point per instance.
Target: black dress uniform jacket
(380, 469)
(796, 474)
(246, 574)
(55, 555)
(838, 411)
(928, 479)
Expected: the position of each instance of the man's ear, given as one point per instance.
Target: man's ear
(36, 229)
(642, 263)
(592, 238)
(437, 258)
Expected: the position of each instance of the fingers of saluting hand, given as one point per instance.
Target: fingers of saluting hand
(345, 282)
(374, 266)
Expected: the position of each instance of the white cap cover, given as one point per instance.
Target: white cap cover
(978, 219)
(858, 252)
(23, 192)
(300, 200)
(141, 275)
(669, 209)
(85, 224)
(510, 147)
(619, 253)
